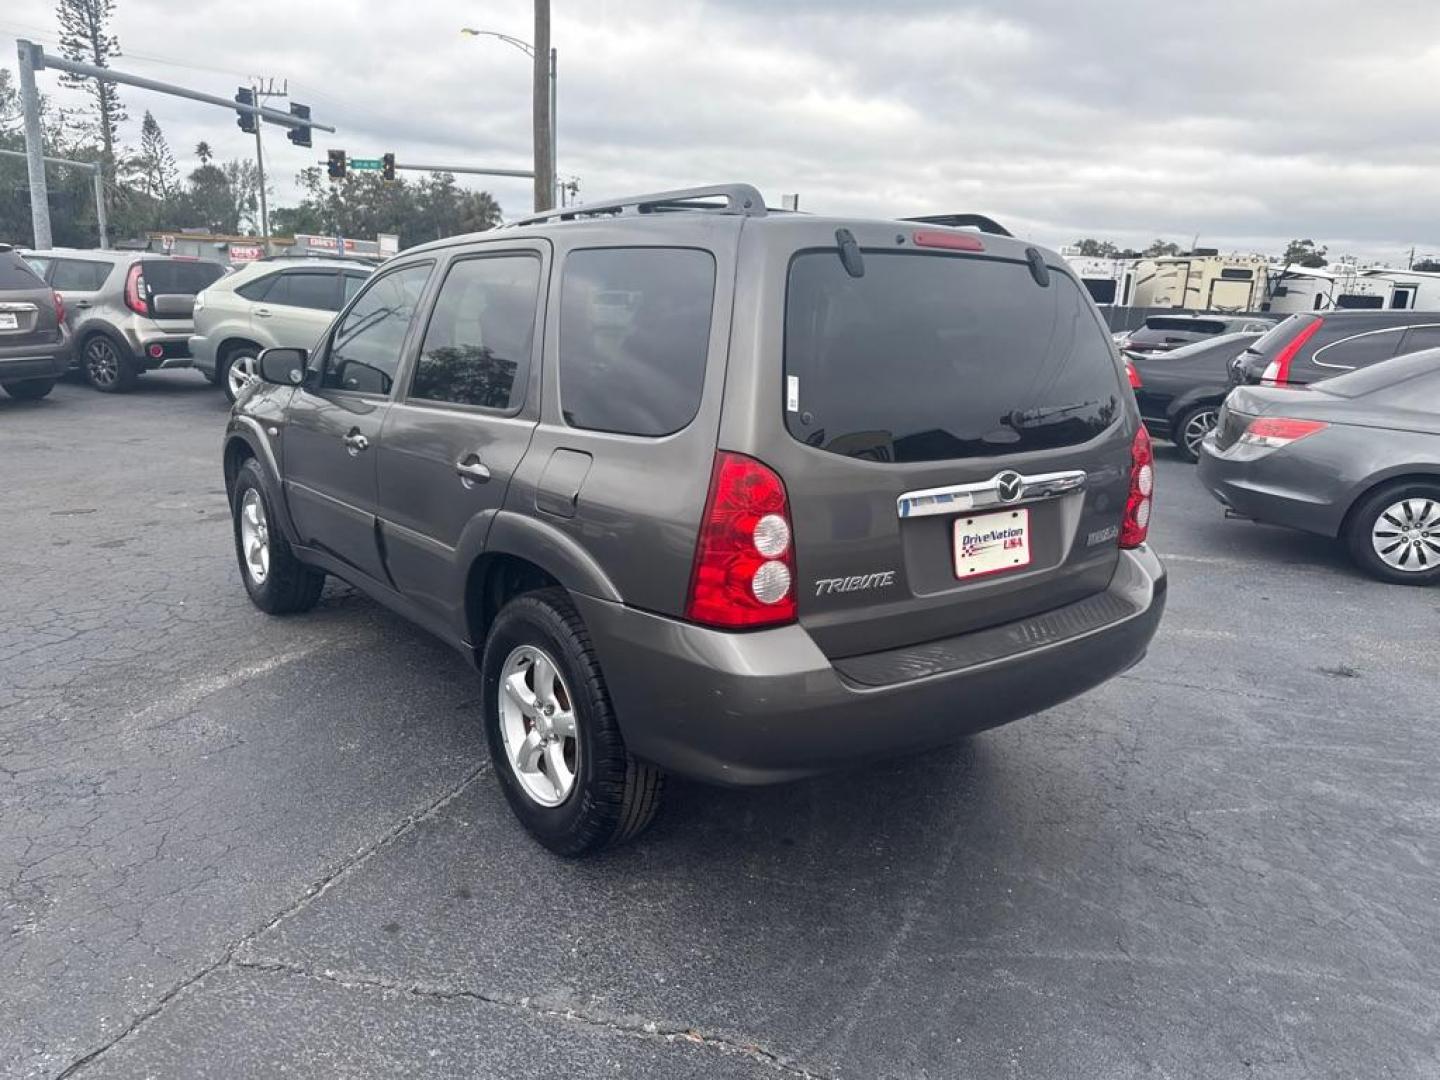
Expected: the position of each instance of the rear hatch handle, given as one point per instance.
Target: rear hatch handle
(1003, 489)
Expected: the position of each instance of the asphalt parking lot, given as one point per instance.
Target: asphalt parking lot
(232, 845)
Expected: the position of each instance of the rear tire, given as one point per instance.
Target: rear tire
(278, 582)
(28, 389)
(238, 361)
(106, 366)
(1394, 533)
(612, 796)
(1191, 427)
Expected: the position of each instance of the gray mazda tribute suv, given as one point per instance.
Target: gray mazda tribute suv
(703, 488)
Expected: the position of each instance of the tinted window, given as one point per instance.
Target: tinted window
(1361, 351)
(1278, 335)
(1359, 301)
(352, 286)
(168, 277)
(74, 275)
(1194, 326)
(16, 273)
(366, 348)
(259, 288)
(306, 289)
(1102, 290)
(929, 357)
(477, 346)
(634, 332)
(1420, 337)
(37, 264)
(1235, 274)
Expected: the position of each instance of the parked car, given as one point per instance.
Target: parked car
(1161, 333)
(1355, 457)
(264, 305)
(874, 493)
(34, 343)
(1309, 347)
(1180, 392)
(128, 311)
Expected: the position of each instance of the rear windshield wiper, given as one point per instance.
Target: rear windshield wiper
(1018, 418)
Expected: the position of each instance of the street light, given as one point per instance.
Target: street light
(529, 50)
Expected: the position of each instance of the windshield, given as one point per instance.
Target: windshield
(928, 357)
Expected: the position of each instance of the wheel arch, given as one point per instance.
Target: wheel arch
(244, 440)
(1408, 473)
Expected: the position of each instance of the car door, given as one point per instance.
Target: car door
(298, 307)
(80, 283)
(334, 420)
(460, 423)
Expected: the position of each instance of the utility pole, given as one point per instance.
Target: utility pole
(267, 90)
(34, 147)
(543, 94)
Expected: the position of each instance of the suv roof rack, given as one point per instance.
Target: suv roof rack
(964, 221)
(743, 199)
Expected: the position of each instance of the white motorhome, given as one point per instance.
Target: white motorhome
(1107, 279)
(1400, 290)
(1203, 280)
(1296, 289)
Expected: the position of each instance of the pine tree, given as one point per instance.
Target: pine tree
(86, 39)
(154, 166)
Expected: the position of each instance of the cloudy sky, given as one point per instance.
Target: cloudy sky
(1245, 123)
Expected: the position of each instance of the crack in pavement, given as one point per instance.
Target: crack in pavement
(633, 1027)
(317, 889)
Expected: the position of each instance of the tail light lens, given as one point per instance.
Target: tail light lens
(59, 308)
(135, 291)
(1133, 376)
(744, 574)
(1136, 526)
(1277, 372)
(1273, 432)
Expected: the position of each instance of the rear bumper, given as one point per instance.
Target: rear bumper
(768, 706)
(202, 353)
(48, 361)
(173, 347)
(1278, 489)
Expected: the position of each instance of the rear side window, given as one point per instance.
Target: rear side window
(77, 275)
(477, 346)
(634, 333)
(15, 273)
(1361, 350)
(305, 289)
(167, 277)
(259, 288)
(1420, 337)
(930, 357)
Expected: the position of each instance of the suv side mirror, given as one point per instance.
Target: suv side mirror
(286, 367)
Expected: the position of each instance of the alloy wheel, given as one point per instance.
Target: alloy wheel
(1198, 425)
(255, 536)
(243, 370)
(1406, 535)
(537, 725)
(102, 362)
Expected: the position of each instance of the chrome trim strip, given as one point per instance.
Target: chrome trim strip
(986, 493)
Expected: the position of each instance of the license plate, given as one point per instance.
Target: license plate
(9, 320)
(992, 543)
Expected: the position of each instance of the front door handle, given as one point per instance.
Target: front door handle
(355, 442)
(472, 470)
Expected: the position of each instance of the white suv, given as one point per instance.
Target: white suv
(269, 304)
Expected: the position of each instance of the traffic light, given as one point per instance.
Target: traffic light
(248, 121)
(335, 165)
(300, 136)
(387, 166)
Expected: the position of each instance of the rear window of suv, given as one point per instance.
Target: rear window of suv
(163, 277)
(929, 357)
(16, 273)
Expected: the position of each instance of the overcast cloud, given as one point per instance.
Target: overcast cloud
(1247, 123)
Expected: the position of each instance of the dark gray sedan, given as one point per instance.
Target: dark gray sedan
(1355, 457)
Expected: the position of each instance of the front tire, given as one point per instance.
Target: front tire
(240, 364)
(1394, 533)
(278, 582)
(28, 389)
(552, 733)
(1191, 428)
(105, 365)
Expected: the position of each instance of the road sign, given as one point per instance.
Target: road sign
(373, 163)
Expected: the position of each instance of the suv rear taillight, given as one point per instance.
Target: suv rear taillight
(59, 308)
(1136, 525)
(1273, 432)
(1277, 372)
(1133, 376)
(135, 291)
(744, 574)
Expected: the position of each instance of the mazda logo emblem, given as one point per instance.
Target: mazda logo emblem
(1008, 486)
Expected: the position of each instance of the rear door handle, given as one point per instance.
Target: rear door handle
(263, 312)
(472, 470)
(355, 442)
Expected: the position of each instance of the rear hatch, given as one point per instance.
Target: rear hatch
(170, 288)
(956, 442)
(27, 306)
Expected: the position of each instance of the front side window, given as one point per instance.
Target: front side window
(365, 351)
(477, 346)
(634, 334)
